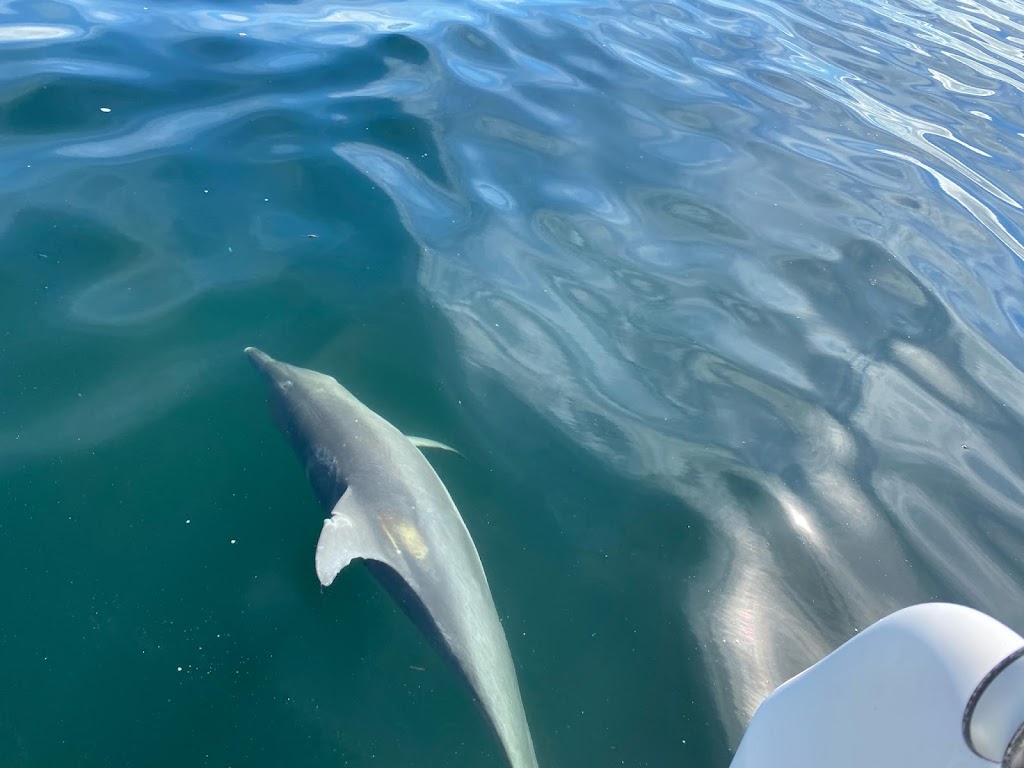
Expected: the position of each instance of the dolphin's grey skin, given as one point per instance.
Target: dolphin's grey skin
(391, 510)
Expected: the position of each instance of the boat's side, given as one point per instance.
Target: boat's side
(931, 685)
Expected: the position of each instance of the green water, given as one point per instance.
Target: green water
(168, 612)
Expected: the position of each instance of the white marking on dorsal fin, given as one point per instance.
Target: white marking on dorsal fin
(425, 442)
(347, 535)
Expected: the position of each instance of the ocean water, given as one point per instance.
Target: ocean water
(721, 303)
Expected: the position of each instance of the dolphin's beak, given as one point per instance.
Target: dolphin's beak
(265, 364)
(258, 356)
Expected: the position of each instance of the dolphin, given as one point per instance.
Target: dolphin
(390, 510)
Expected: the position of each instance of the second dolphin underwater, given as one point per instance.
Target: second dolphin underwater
(390, 509)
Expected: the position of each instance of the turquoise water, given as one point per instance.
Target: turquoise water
(720, 302)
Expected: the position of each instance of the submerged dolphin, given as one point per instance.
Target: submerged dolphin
(391, 510)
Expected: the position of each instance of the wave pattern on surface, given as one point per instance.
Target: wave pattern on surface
(768, 266)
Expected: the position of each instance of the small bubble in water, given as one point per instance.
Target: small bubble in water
(104, 109)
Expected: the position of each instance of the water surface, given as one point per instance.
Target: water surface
(721, 303)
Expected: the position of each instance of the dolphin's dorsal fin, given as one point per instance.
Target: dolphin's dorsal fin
(425, 442)
(347, 535)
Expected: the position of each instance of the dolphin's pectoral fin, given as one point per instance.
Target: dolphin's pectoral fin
(347, 535)
(426, 442)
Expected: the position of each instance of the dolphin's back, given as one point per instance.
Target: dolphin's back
(390, 509)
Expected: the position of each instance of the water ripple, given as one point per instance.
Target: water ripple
(821, 373)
